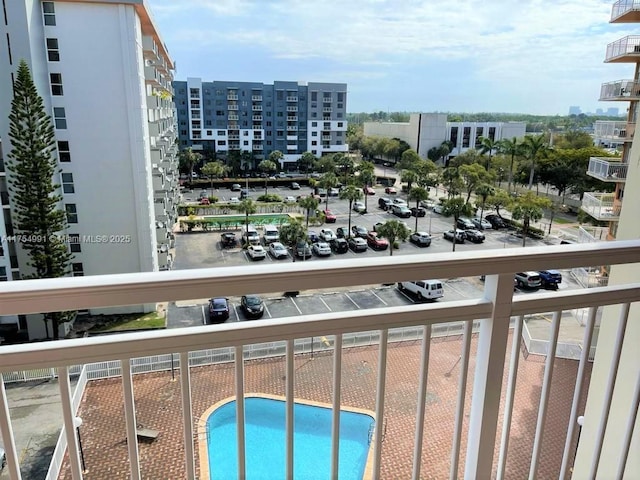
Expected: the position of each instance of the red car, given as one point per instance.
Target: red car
(375, 242)
(390, 190)
(368, 191)
(329, 217)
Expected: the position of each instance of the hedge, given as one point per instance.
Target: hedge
(533, 232)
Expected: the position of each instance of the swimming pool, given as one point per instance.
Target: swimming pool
(265, 441)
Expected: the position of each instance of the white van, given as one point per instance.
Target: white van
(270, 234)
(250, 235)
(424, 289)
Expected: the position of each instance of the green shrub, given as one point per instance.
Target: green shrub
(270, 198)
(213, 199)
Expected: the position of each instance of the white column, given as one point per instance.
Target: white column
(6, 432)
(130, 419)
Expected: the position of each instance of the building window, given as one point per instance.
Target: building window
(466, 133)
(3, 274)
(222, 143)
(314, 115)
(339, 114)
(341, 97)
(314, 124)
(338, 142)
(67, 183)
(339, 134)
(64, 154)
(74, 243)
(246, 142)
(49, 13)
(72, 212)
(492, 133)
(222, 133)
(52, 50)
(341, 105)
(268, 124)
(327, 125)
(183, 132)
(56, 83)
(59, 118)
(478, 135)
(314, 142)
(209, 133)
(453, 138)
(77, 270)
(314, 96)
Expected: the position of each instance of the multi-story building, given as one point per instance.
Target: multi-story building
(105, 76)
(257, 118)
(427, 130)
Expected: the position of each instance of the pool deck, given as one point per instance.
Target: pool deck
(158, 406)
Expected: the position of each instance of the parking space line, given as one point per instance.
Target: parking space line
(406, 296)
(449, 285)
(267, 310)
(325, 303)
(235, 309)
(296, 305)
(347, 295)
(204, 318)
(378, 297)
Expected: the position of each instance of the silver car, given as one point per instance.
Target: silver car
(322, 249)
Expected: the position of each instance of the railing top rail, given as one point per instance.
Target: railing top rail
(72, 293)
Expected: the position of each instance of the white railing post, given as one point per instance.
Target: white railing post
(240, 420)
(487, 385)
(68, 415)
(422, 399)
(6, 432)
(289, 419)
(130, 418)
(380, 389)
(187, 414)
(335, 420)
(462, 394)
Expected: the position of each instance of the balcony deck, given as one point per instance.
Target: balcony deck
(625, 11)
(624, 50)
(607, 169)
(419, 390)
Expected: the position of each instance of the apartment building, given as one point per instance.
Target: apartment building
(105, 75)
(427, 130)
(256, 118)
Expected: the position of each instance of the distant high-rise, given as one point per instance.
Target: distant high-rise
(575, 110)
(613, 112)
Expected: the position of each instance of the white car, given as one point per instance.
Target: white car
(289, 199)
(256, 252)
(234, 200)
(322, 249)
(359, 207)
(438, 209)
(278, 250)
(327, 235)
(399, 202)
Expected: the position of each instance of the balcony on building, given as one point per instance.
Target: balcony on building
(257, 118)
(233, 137)
(232, 107)
(601, 206)
(625, 11)
(233, 116)
(232, 96)
(613, 132)
(607, 169)
(292, 118)
(150, 48)
(293, 128)
(326, 109)
(326, 138)
(152, 76)
(291, 108)
(256, 108)
(489, 405)
(256, 98)
(256, 127)
(292, 137)
(624, 50)
(620, 90)
(292, 146)
(292, 99)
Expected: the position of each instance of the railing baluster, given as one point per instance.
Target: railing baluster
(187, 415)
(6, 432)
(462, 393)
(130, 418)
(628, 434)
(380, 388)
(335, 421)
(577, 393)
(422, 399)
(240, 421)
(611, 381)
(510, 396)
(289, 413)
(544, 396)
(68, 416)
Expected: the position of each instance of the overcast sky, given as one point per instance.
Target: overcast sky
(521, 56)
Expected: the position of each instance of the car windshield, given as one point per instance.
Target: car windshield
(219, 304)
(253, 301)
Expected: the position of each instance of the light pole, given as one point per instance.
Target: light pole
(77, 421)
(430, 217)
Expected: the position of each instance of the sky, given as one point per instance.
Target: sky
(515, 56)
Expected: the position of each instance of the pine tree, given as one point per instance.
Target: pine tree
(38, 221)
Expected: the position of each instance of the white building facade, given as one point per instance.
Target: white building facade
(105, 76)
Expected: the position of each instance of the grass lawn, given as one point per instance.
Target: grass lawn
(563, 220)
(133, 322)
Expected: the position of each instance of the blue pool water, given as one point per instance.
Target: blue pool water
(265, 441)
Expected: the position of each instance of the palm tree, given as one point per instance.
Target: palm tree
(418, 194)
(409, 177)
(188, 160)
(267, 166)
(393, 230)
(328, 181)
(513, 148)
(345, 164)
(487, 145)
(213, 170)
(456, 207)
(352, 194)
(529, 208)
(309, 204)
(291, 234)
(306, 161)
(366, 177)
(484, 191)
(535, 147)
(248, 207)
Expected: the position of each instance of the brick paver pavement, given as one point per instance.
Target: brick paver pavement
(158, 406)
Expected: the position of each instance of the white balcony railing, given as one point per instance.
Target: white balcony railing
(607, 169)
(624, 90)
(601, 206)
(626, 49)
(625, 11)
(492, 312)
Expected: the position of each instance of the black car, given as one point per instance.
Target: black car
(218, 310)
(384, 203)
(465, 224)
(359, 231)
(252, 306)
(474, 235)
(495, 221)
(313, 236)
(228, 240)
(302, 250)
(342, 232)
(339, 245)
(418, 212)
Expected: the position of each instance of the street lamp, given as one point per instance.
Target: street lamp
(77, 421)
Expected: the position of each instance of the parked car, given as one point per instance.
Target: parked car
(473, 235)
(326, 235)
(359, 231)
(481, 223)
(399, 201)
(529, 279)
(375, 242)
(250, 235)
(421, 239)
(204, 201)
(495, 221)
(256, 252)
(418, 212)
(234, 200)
(357, 244)
(458, 235)
(244, 193)
(228, 240)
(342, 232)
(313, 236)
(289, 199)
(368, 191)
(359, 207)
(334, 192)
(428, 204)
(550, 279)
(339, 245)
(322, 249)
(384, 203)
(236, 187)
(278, 250)
(203, 194)
(439, 209)
(390, 190)
(270, 234)
(401, 211)
(329, 217)
(464, 223)
(302, 249)
(218, 310)
(423, 289)
(295, 186)
(252, 306)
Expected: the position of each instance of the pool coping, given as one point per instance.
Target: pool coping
(202, 428)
